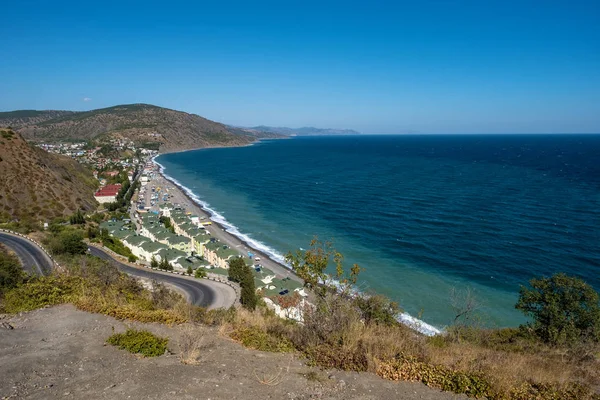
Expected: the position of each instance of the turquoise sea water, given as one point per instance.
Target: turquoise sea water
(421, 213)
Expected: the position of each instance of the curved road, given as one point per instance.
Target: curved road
(205, 294)
(198, 293)
(34, 260)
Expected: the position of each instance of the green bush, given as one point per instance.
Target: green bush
(200, 273)
(377, 309)
(139, 342)
(11, 273)
(68, 242)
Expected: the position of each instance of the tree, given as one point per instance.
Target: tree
(565, 309)
(164, 264)
(311, 265)
(248, 296)
(236, 269)
(190, 271)
(77, 218)
(154, 263)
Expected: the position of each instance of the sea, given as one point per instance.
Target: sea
(432, 219)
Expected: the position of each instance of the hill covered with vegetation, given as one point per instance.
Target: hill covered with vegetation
(38, 186)
(144, 124)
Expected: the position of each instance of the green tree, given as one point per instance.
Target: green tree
(77, 218)
(190, 271)
(154, 262)
(311, 265)
(236, 269)
(564, 309)
(164, 264)
(248, 296)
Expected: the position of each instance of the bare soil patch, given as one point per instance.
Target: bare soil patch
(62, 352)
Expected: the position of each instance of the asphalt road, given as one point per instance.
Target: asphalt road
(34, 260)
(198, 293)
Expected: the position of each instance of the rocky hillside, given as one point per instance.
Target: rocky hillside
(38, 186)
(142, 123)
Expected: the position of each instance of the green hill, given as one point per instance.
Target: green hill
(142, 123)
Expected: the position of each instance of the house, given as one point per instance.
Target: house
(173, 256)
(135, 242)
(149, 249)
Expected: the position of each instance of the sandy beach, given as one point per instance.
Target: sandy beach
(218, 231)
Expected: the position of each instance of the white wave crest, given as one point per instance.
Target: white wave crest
(221, 220)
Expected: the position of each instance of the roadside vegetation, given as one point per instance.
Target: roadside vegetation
(139, 342)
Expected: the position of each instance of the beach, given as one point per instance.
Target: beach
(217, 230)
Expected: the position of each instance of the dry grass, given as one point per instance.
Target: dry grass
(191, 341)
(273, 378)
(486, 363)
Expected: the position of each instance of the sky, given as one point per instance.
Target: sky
(374, 66)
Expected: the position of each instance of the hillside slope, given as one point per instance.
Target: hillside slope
(141, 123)
(22, 118)
(38, 186)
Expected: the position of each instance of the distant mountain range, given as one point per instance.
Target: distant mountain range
(167, 129)
(307, 131)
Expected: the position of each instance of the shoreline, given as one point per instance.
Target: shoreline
(222, 232)
(278, 268)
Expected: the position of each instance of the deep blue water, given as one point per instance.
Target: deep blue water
(421, 213)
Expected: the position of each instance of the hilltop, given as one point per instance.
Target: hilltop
(38, 185)
(144, 124)
(306, 131)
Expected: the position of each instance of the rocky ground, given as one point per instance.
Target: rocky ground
(60, 352)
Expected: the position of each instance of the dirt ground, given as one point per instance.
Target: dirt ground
(60, 352)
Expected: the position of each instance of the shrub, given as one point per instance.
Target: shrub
(200, 273)
(139, 342)
(11, 273)
(377, 309)
(68, 242)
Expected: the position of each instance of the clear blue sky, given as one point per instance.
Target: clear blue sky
(379, 67)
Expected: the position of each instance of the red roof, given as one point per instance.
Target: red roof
(108, 190)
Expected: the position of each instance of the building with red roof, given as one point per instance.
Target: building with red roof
(108, 193)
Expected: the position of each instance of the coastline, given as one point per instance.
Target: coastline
(268, 260)
(219, 230)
